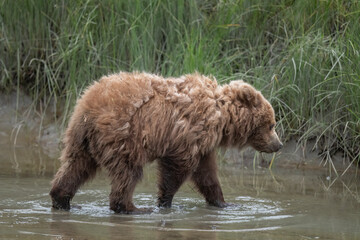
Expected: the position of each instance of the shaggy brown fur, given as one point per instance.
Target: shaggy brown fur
(128, 119)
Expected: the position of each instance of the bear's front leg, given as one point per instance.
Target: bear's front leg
(207, 182)
(171, 177)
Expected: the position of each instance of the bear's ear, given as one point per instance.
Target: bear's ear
(246, 94)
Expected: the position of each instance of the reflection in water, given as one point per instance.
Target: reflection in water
(282, 204)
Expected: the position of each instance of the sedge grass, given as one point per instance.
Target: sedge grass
(303, 55)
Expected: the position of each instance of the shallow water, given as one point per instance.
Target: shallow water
(278, 204)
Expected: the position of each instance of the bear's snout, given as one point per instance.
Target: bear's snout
(277, 146)
(266, 143)
(275, 143)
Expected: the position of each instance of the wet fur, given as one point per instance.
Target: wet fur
(126, 120)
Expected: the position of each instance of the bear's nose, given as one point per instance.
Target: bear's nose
(277, 146)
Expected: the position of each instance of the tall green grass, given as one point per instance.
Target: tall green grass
(303, 55)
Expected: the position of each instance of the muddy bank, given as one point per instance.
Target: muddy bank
(22, 124)
(29, 138)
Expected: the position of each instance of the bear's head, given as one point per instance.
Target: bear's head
(251, 118)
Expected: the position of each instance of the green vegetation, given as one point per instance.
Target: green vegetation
(303, 55)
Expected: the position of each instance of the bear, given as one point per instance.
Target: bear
(128, 119)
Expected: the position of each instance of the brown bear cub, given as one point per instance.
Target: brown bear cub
(126, 120)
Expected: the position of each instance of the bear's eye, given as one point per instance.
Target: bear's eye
(272, 126)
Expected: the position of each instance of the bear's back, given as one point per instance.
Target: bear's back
(126, 92)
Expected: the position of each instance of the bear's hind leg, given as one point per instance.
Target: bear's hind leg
(124, 179)
(207, 182)
(171, 177)
(72, 174)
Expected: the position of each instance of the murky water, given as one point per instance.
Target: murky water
(278, 204)
(282, 204)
